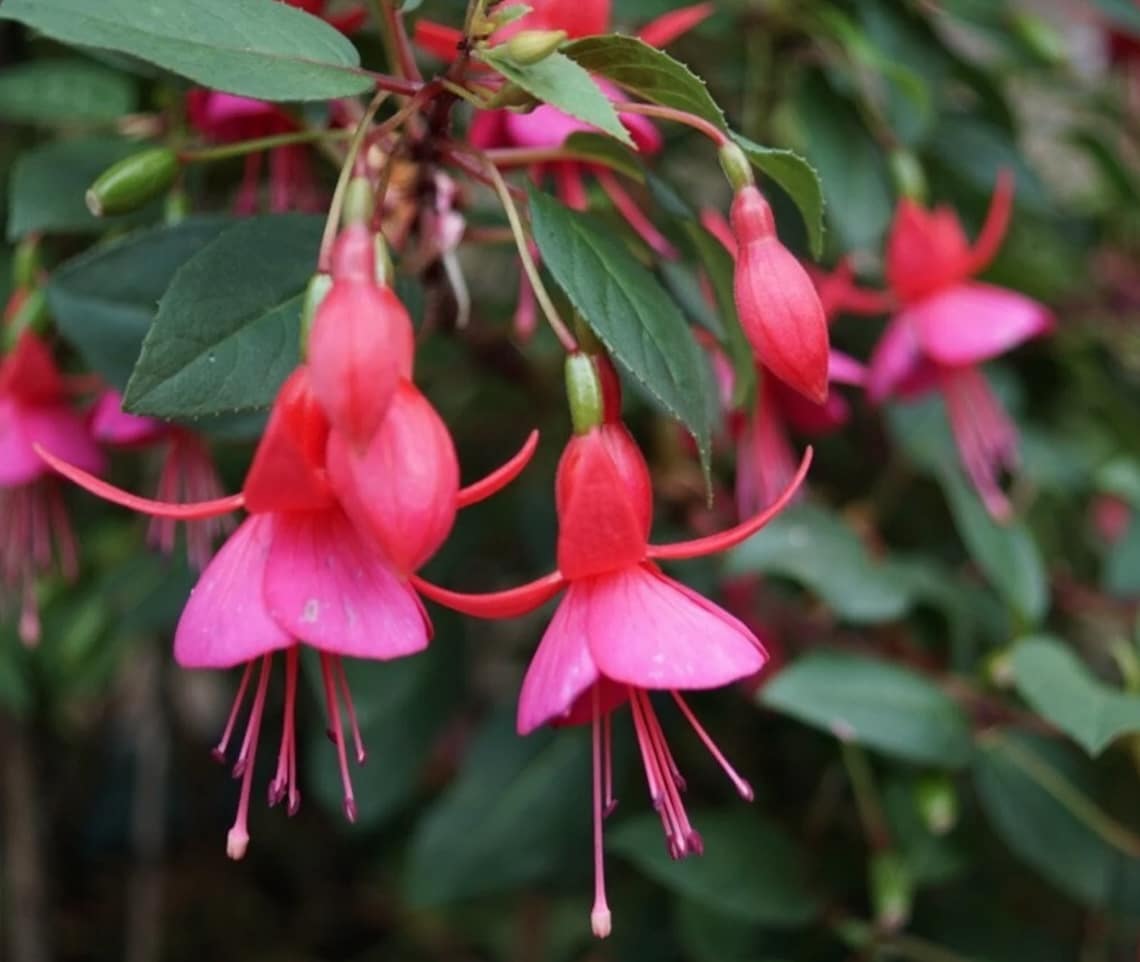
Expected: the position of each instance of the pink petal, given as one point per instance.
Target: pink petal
(226, 621)
(56, 428)
(110, 424)
(561, 669)
(544, 126)
(649, 631)
(971, 323)
(844, 369)
(19, 463)
(895, 359)
(328, 588)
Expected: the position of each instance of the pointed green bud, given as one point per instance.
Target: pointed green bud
(315, 293)
(359, 202)
(26, 263)
(176, 208)
(736, 166)
(31, 315)
(512, 97)
(531, 46)
(892, 890)
(906, 172)
(937, 802)
(584, 393)
(132, 182)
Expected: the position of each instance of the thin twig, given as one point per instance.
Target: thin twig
(710, 130)
(240, 149)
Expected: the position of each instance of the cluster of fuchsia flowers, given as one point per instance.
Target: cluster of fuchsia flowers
(355, 483)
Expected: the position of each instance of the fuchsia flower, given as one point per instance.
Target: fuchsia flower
(34, 410)
(948, 326)
(624, 629)
(187, 474)
(299, 570)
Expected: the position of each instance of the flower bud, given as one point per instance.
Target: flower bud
(315, 292)
(892, 890)
(906, 171)
(584, 393)
(26, 265)
(359, 202)
(779, 308)
(736, 166)
(512, 97)
(361, 341)
(605, 502)
(531, 46)
(132, 182)
(937, 802)
(403, 487)
(26, 311)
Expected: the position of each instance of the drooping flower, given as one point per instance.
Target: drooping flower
(187, 474)
(34, 410)
(296, 572)
(623, 629)
(948, 326)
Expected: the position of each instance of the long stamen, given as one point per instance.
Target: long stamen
(337, 733)
(219, 751)
(280, 783)
(237, 841)
(600, 918)
(687, 841)
(346, 694)
(608, 762)
(662, 788)
(741, 785)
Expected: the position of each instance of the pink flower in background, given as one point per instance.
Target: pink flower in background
(187, 474)
(623, 629)
(948, 326)
(34, 409)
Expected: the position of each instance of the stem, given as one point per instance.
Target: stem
(226, 151)
(713, 132)
(396, 40)
(556, 324)
(870, 807)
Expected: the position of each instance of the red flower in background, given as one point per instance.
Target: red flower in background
(35, 410)
(949, 325)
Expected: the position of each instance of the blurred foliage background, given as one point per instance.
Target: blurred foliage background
(982, 802)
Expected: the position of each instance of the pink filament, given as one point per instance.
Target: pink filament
(284, 783)
(984, 433)
(237, 841)
(337, 733)
(219, 751)
(600, 918)
(741, 785)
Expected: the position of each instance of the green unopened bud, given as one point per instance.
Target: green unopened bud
(584, 393)
(176, 208)
(385, 269)
(315, 293)
(1040, 38)
(736, 166)
(30, 314)
(26, 263)
(531, 46)
(132, 182)
(512, 97)
(359, 202)
(892, 890)
(937, 802)
(906, 171)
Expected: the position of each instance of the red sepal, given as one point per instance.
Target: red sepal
(500, 477)
(666, 28)
(499, 604)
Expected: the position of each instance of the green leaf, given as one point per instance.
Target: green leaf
(1123, 13)
(750, 870)
(1121, 573)
(1007, 553)
(227, 330)
(648, 72)
(855, 586)
(64, 91)
(602, 150)
(797, 178)
(49, 182)
(105, 299)
(875, 704)
(629, 311)
(255, 48)
(1036, 797)
(559, 81)
(518, 811)
(1060, 687)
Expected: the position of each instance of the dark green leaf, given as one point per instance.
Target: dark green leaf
(602, 150)
(559, 81)
(628, 310)
(1059, 687)
(1038, 802)
(518, 810)
(749, 871)
(797, 178)
(648, 72)
(873, 703)
(256, 48)
(105, 300)
(64, 91)
(854, 586)
(227, 329)
(49, 182)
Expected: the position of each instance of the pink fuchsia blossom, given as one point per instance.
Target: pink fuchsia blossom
(35, 410)
(187, 474)
(948, 326)
(623, 628)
